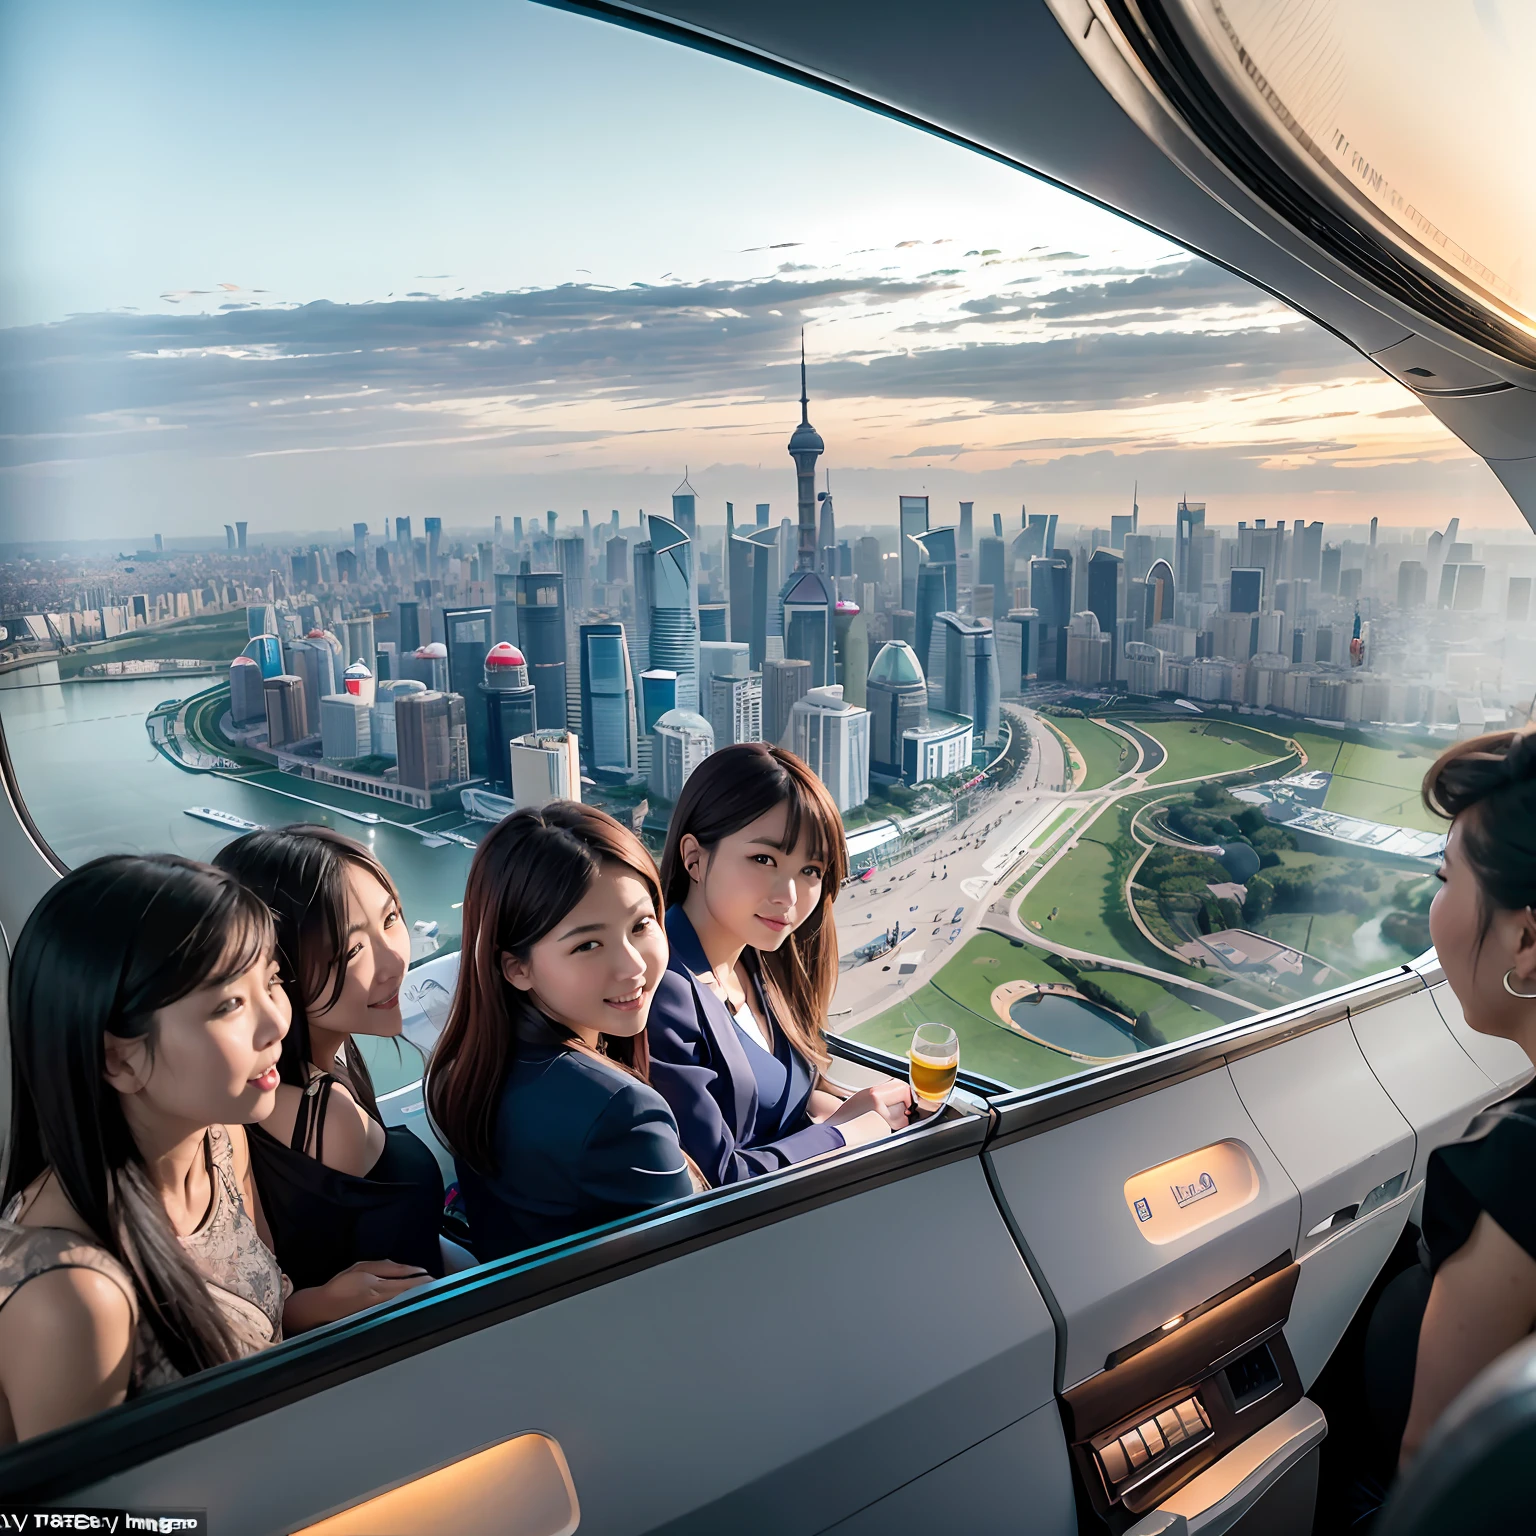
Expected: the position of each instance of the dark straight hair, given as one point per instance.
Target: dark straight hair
(300, 872)
(1488, 784)
(532, 869)
(729, 789)
(110, 945)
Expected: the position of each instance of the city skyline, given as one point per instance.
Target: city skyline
(973, 333)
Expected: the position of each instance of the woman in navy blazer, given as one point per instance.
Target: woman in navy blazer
(538, 1084)
(754, 857)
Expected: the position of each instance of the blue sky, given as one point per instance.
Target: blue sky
(304, 263)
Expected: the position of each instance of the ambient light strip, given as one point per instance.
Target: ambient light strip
(519, 1487)
(1175, 1198)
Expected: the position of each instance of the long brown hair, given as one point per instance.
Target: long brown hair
(108, 947)
(1488, 783)
(300, 872)
(729, 789)
(533, 868)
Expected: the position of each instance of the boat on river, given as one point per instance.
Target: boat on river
(225, 819)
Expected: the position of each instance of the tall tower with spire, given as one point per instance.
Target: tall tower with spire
(805, 447)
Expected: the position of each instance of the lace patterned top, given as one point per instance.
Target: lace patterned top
(241, 1271)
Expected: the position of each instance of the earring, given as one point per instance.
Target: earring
(1529, 997)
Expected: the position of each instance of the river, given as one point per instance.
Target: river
(94, 785)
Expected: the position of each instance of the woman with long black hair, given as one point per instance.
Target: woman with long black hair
(339, 1189)
(146, 1018)
(754, 857)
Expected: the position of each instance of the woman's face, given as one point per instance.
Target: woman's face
(1476, 971)
(598, 968)
(211, 1057)
(753, 890)
(378, 953)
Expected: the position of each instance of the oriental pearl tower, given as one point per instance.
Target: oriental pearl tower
(805, 447)
(807, 599)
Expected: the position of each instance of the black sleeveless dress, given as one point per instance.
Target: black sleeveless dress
(324, 1221)
(1489, 1169)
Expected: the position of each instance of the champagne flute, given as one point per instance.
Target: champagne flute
(933, 1062)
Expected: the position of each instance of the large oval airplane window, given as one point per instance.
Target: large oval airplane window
(405, 418)
(1409, 118)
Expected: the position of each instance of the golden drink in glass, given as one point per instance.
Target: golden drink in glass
(933, 1062)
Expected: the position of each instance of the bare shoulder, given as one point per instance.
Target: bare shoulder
(66, 1348)
(354, 1140)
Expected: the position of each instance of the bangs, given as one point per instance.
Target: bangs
(805, 814)
(236, 932)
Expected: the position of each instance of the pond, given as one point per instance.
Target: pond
(1071, 1024)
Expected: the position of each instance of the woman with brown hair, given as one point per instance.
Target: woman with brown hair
(754, 858)
(538, 1083)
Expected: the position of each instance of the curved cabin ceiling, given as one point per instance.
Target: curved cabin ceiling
(1305, 144)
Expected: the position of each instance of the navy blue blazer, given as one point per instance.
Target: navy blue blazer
(578, 1143)
(701, 1068)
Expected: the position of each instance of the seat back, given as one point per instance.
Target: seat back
(1474, 1472)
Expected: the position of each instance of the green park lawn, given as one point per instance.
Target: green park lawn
(1204, 748)
(1106, 755)
(1172, 1017)
(960, 996)
(1377, 782)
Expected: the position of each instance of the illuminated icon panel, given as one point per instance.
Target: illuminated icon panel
(1175, 1198)
(519, 1487)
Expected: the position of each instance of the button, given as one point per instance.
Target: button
(1191, 1417)
(1112, 1458)
(1168, 1422)
(1135, 1451)
(1152, 1435)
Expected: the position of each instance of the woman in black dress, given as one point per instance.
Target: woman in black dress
(341, 1191)
(1473, 1293)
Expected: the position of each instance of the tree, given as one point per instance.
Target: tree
(1261, 899)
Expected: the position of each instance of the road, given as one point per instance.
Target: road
(971, 867)
(946, 873)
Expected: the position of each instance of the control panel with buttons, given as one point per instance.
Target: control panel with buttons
(1129, 1456)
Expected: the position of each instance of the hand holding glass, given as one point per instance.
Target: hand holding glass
(933, 1062)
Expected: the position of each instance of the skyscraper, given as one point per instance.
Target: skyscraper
(898, 701)
(683, 740)
(541, 638)
(1412, 584)
(408, 611)
(504, 614)
(1189, 525)
(685, 503)
(1019, 641)
(267, 652)
(247, 698)
(545, 767)
(852, 651)
(434, 528)
(240, 537)
(571, 558)
(1517, 601)
(345, 729)
(765, 593)
(990, 569)
(359, 641)
(738, 578)
(431, 742)
(1160, 594)
(832, 736)
(964, 678)
(428, 665)
(913, 520)
(784, 683)
(965, 543)
(312, 660)
(260, 619)
(381, 718)
(658, 696)
(809, 607)
(1087, 651)
(736, 708)
(721, 658)
(509, 704)
(609, 733)
(287, 714)
(933, 598)
(617, 556)
(674, 609)
(468, 637)
(1247, 591)
(1104, 567)
(826, 539)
